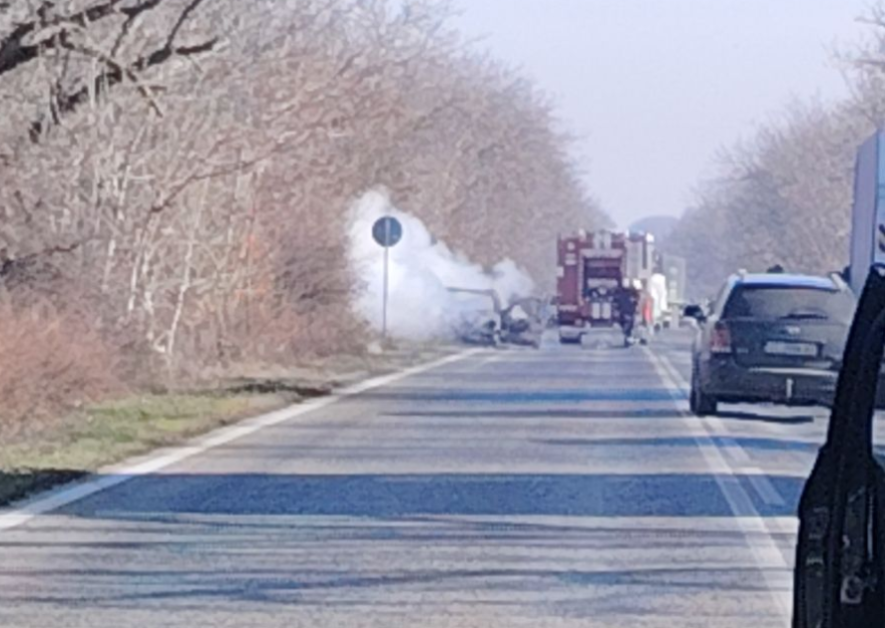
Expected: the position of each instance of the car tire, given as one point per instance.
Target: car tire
(700, 403)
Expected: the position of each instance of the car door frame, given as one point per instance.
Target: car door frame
(840, 554)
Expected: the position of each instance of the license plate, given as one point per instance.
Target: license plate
(800, 349)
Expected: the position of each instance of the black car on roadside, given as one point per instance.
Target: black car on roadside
(772, 337)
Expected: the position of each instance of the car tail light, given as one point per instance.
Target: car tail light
(720, 339)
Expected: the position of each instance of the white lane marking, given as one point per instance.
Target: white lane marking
(735, 451)
(498, 357)
(115, 475)
(767, 555)
(715, 426)
(764, 487)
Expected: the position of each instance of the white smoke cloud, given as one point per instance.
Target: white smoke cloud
(421, 270)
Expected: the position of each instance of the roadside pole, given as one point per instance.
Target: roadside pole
(387, 232)
(386, 281)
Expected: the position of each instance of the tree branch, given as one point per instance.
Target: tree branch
(14, 52)
(114, 75)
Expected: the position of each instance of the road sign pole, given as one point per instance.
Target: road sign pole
(386, 280)
(387, 232)
(386, 283)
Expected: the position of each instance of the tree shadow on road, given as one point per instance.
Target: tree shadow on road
(522, 395)
(613, 413)
(168, 542)
(747, 443)
(16, 485)
(736, 415)
(427, 494)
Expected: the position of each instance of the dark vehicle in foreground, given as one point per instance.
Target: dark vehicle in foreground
(840, 556)
(770, 337)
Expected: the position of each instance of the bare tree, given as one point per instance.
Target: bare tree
(176, 174)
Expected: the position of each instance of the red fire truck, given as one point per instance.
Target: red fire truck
(602, 280)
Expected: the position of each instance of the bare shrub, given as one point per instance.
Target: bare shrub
(51, 363)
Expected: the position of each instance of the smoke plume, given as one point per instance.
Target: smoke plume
(421, 271)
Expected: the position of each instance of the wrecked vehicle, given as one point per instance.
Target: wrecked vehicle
(483, 321)
(478, 320)
(524, 321)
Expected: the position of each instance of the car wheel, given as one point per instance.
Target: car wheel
(699, 402)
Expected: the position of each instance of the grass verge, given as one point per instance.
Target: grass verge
(109, 432)
(106, 433)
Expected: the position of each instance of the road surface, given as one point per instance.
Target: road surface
(553, 488)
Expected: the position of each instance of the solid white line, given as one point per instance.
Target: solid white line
(766, 553)
(480, 364)
(115, 475)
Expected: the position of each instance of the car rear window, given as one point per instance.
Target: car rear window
(788, 302)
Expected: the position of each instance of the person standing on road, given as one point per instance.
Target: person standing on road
(627, 300)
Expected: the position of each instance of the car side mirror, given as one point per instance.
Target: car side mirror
(696, 312)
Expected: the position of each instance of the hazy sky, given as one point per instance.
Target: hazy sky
(654, 87)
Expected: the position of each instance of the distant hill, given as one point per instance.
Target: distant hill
(659, 226)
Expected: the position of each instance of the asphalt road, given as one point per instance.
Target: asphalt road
(561, 487)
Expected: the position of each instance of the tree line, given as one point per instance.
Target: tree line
(175, 175)
(784, 196)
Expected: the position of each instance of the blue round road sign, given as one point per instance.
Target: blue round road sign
(387, 231)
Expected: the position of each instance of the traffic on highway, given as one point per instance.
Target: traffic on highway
(431, 314)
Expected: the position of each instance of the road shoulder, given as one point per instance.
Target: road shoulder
(48, 483)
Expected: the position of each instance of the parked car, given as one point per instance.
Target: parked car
(772, 337)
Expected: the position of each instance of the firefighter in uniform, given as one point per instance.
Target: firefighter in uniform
(627, 300)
